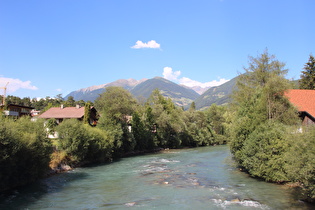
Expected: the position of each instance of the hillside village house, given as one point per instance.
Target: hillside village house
(304, 101)
(13, 110)
(61, 113)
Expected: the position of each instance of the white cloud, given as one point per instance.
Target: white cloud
(169, 74)
(191, 83)
(173, 76)
(15, 84)
(151, 44)
(59, 90)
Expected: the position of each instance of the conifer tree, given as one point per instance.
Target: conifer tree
(308, 75)
(192, 106)
(87, 113)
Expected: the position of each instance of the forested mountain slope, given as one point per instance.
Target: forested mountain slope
(219, 95)
(180, 95)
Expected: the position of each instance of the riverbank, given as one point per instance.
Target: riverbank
(61, 163)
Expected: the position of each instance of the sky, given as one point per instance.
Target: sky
(54, 47)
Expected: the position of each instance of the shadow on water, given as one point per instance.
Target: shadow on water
(21, 197)
(297, 194)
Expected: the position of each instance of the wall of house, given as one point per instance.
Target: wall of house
(307, 121)
(20, 110)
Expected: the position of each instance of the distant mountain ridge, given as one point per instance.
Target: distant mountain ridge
(181, 95)
(91, 93)
(219, 95)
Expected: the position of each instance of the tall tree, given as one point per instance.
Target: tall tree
(215, 115)
(70, 102)
(192, 106)
(116, 103)
(115, 106)
(167, 118)
(87, 113)
(308, 75)
(259, 102)
(261, 88)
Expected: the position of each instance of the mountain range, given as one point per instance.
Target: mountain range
(181, 95)
(219, 95)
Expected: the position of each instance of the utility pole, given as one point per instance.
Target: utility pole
(5, 92)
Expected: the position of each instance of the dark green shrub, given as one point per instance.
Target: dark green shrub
(300, 160)
(263, 152)
(24, 152)
(73, 139)
(101, 144)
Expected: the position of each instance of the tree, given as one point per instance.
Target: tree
(215, 116)
(24, 152)
(73, 139)
(87, 113)
(167, 119)
(141, 133)
(260, 90)
(300, 160)
(197, 130)
(70, 102)
(264, 150)
(115, 106)
(157, 99)
(192, 106)
(308, 75)
(116, 103)
(258, 101)
(263, 85)
(59, 97)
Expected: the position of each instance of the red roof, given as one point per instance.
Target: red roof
(303, 100)
(63, 113)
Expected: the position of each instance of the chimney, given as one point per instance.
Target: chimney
(61, 106)
(77, 106)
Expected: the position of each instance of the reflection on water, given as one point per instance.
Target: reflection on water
(200, 178)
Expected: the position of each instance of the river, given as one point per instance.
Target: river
(198, 178)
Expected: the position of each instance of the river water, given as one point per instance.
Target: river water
(199, 178)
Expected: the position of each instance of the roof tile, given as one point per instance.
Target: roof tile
(303, 100)
(67, 112)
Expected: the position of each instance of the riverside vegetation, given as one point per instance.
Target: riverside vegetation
(26, 152)
(264, 133)
(260, 126)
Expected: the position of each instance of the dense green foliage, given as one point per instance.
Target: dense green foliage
(84, 143)
(87, 113)
(259, 98)
(24, 152)
(156, 123)
(115, 106)
(307, 80)
(300, 161)
(264, 139)
(262, 153)
(259, 102)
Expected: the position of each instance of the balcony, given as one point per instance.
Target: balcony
(10, 113)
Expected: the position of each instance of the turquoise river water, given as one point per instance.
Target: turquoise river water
(199, 178)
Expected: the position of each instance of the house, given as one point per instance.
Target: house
(61, 113)
(17, 110)
(304, 101)
(35, 113)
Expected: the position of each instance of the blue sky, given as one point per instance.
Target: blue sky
(55, 47)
